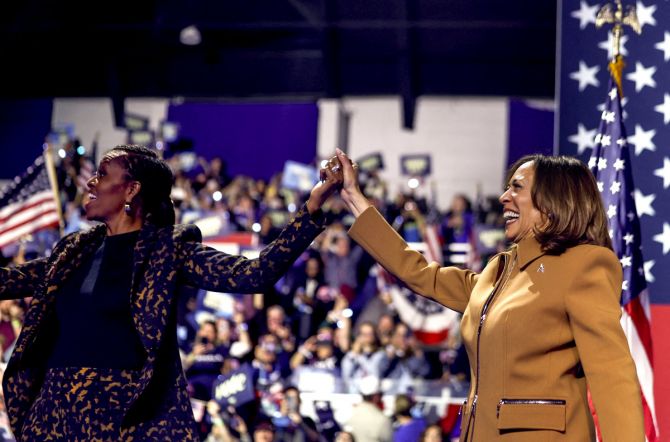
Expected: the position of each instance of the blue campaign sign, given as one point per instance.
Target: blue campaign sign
(235, 388)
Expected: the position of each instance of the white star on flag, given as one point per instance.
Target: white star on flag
(592, 162)
(628, 238)
(625, 261)
(642, 76)
(601, 186)
(608, 116)
(647, 270)
(586, 76)
(618, 164)
(664, 238)
(643, 203)
(611, 211)
(606, 140)
(584, 139)
(615, 187)
(645, 14)
(642, 139)
(664, 172)
(602, 163)
(664, 46)
(624, 285)
(664, 108)
(586, 14)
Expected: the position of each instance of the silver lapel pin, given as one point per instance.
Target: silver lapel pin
(541, 268)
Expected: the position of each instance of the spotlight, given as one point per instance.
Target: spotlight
(190, 36)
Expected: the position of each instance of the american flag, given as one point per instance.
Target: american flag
(610, 164)
(616, 157)
(27, 204)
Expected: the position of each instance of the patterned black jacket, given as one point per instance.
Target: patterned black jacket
(164, 259)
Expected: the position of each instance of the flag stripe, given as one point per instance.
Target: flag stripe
(649, 428)
(27, 204)
(642, 326)
(28, 212)
(33, 216)
(11, 210)
(643, 367)
(49, 220)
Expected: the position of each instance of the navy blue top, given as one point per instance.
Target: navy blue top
(94, 325)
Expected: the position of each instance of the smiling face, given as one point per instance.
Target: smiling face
(109, 190)
(521, 215)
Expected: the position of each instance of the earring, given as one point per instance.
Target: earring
(127, 208)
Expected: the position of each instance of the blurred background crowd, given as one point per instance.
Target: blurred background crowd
(293, 364)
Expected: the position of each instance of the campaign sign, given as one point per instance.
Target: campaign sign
(298, 176)
(415, 165)
(235, 388)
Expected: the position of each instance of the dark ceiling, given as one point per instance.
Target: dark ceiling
(278, 48)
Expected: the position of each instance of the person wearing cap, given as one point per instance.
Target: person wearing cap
(368, 423)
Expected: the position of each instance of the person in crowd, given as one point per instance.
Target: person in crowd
(264, 431)
(204, 363)
(277, 324)
(407, 427)
(222, 422)
(234, 335)
(270, 363)
(457, 230)
(113, 288)
(344, 436)
(340, 259)
(432, 433)
(318, 351)
(541, 321)
(385, 328)
(291, 425)
(404, 361)
(365, 358)
(311, 302)
(368, 423)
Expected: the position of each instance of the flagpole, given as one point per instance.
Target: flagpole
(53, 181)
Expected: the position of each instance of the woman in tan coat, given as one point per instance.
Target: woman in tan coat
(541, 321)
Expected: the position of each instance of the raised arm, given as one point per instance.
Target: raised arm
(210, 269)
(449, 286)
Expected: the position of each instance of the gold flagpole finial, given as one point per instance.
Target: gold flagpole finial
(620, 18)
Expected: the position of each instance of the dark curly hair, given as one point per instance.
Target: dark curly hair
(155, 177)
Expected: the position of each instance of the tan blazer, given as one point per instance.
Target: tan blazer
(551, 326)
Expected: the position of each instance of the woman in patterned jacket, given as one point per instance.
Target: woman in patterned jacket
(97, 358)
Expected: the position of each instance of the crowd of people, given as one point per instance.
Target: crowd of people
(320, 329)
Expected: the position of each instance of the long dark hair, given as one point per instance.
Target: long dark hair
(565, 191)
(156, 179)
